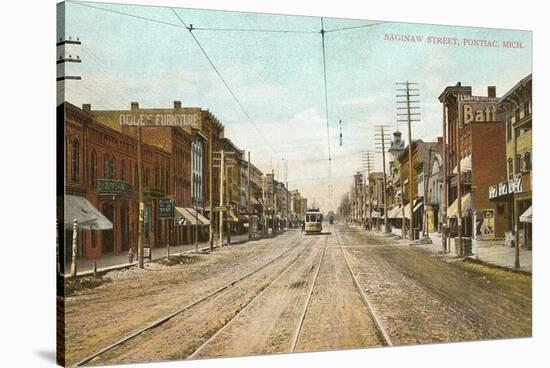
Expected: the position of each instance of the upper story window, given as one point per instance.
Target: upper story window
(520, 164)
(75, 160)
(527, 161)
(510, 168)
(93, 176)
(122, 170)
(509, 128)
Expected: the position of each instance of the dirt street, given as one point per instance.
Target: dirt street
(298, 294)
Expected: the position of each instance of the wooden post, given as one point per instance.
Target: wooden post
(229, 222)
(141, 204)
(75, 248)
(459, 190)
(248, 202)
(386, 228)
(445, 182)
(411, 221)
(210, 189)
(222, 172)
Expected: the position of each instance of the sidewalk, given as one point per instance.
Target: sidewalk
(110, 261)
(491, 252)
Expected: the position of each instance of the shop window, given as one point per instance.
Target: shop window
(520, 164)
(75, 160)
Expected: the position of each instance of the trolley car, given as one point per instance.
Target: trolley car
(314, 221)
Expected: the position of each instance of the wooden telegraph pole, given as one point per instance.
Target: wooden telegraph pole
(445, 182)
(249, 207)
(222, 172)
(141, 203)
(210, 189)
(459, 190)
(381, 143)
(409, 118)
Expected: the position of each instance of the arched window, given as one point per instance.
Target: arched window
(93, 177)
(122, 170)
(510, 168)
(112, 166)
(75, 160)
(106, 167)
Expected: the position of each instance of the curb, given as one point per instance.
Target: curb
(484, 263)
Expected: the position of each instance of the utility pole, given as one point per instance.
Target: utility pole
(264, 220)
(381, 143)
(514, 205)
(409, 118)
(63, 59)
(368, 165)
(249, 208)
(210, 189)
(222, 172)
(459, 190)
(426, 189)
(227, 198)
(141, 202)
(445, 231)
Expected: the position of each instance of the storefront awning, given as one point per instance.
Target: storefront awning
(183, 217)
(85, 213)
(232, 216)
(527, 216)
(466, 205)
(375, 214)
(465, 165)
(418, 203)
(394, 212)
(203, 220)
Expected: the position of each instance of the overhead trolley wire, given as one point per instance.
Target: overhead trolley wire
(190, 29)
(127, 14)
(326, 94)
(254, 30)
(353, 27)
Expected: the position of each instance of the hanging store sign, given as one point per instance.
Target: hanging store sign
(113, 187)
(166, 208)
(514, 185)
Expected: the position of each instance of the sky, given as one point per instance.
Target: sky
(278, 78)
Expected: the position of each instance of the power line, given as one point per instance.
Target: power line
(254, 30)
(326, 95)
(190, 29)
(126, 14)
(353, 27)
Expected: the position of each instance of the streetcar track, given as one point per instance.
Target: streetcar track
(168, 317)
(306, 305)
(384, 334)
(243, 309)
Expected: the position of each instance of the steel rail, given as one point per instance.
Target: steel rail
(306, 305)
(219, 331)
(164, 319)
(384, 334)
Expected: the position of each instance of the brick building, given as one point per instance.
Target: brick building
(103, 169)
(515, 190)
(476, 137)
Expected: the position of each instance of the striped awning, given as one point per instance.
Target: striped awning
(394, 212)
(527, 216)
(466, 204)
(88, 217)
